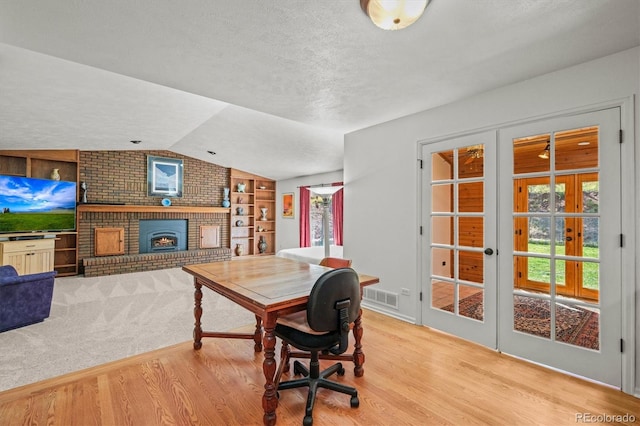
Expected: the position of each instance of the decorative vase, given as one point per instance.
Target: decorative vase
(263, 210)
(55, 174)
(239, 211)
(241, 187)
(239, 223)
(226, 202)
(262, 245)
(239, 250)
(83, 185)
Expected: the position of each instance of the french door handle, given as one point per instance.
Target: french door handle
(488, 251)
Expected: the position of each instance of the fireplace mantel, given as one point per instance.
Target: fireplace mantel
(124, 208)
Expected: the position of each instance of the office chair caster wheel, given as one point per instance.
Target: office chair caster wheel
(341, 371)
(355, 402)
(297, 370)
(308, 421)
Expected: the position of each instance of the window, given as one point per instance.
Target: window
(316, 211)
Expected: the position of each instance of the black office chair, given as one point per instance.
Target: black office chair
(333, 305)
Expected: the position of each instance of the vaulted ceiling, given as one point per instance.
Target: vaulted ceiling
(270, 86)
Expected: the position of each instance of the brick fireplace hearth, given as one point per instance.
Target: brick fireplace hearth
(127, 218)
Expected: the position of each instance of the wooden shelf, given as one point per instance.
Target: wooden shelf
(117, 208)
(258, 192)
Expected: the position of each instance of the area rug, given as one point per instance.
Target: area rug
(574, 324)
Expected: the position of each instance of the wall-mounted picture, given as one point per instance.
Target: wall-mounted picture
(164, 176)
(288, 208)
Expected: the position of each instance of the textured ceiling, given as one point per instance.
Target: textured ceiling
(270, 86)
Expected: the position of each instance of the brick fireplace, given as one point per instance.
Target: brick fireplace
(133, 259)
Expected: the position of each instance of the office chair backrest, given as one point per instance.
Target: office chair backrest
(335, 262)
(328, 295)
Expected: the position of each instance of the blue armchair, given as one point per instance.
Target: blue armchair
(24, 299)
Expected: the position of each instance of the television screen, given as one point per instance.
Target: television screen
(36, 205)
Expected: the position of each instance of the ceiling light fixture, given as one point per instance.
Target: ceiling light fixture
(136, 142)
(212, 152)
(545, 152)
(393, 14)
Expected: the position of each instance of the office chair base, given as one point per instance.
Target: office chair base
(314, 379)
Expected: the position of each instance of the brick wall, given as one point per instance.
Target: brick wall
(120, 177)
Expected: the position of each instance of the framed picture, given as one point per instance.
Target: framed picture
(288, 207)
(164, 176)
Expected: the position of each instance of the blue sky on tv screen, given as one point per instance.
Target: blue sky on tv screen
(21, 194)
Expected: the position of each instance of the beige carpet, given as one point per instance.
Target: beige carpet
(102, 319)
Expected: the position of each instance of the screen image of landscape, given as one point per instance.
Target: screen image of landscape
(36, 205)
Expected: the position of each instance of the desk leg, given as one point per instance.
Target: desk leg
(257, 336)
(197, 313)
(358, 355)
(269, 399)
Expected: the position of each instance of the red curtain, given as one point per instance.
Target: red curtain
(337, 208)
(305, 227)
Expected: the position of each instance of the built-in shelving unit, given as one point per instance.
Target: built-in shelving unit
(248, 195)
(40, 164)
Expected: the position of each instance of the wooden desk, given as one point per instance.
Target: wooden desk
(267, 286)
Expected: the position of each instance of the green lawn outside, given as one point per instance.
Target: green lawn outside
(539, 269)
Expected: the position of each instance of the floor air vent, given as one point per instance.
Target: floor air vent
(381, 297)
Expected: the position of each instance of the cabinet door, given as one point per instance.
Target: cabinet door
(109, 241)
(38, 261)
(210, 236)
(17, 260)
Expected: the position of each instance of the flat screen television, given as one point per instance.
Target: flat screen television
(36, 205)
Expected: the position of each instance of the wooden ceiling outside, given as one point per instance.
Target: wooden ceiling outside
(568, 153)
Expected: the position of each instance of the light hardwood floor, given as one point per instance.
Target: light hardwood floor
(413, 376)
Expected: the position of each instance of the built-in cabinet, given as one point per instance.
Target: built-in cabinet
(41, 164)
(210, 236)
(109, 241)
(28, 256)
(253, 202)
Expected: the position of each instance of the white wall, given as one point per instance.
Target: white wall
(381, 170)
(287, 230)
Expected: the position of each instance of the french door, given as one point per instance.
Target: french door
(560, 281)
(521, 243)
(459, 262)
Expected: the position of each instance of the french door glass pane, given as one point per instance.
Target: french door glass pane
(539, 196)
(471, 266)
(591, 275)
(441, 165)
(470, 302)
(578, 325)
(442, 198)
(442, 295)
(471, 162)
(441, 262)
(539, 233)
(471, 231)
(471, 197)
(576, 149)
(442, 230)
(590, 196)
(532, 316)
(529, 154)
